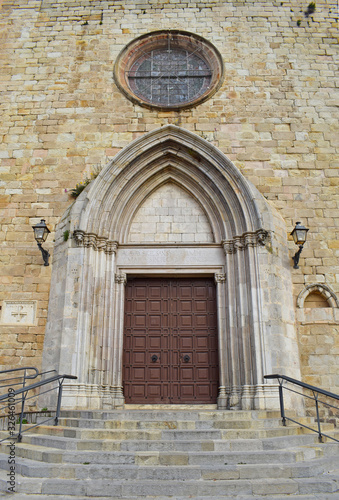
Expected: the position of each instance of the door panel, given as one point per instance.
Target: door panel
(170, 341)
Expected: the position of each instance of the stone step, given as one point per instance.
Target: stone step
(111, 488)
(220, 421)
(54, 455)
(171, 414)
(159, 434)
(319, 496)
(157, 415)
(169, 424)
(33, 468)
(178, 454)
(170, 445)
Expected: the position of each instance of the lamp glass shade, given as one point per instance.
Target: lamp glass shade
(299, 234)
(41, 231)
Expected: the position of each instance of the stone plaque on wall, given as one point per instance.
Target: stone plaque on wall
(16, 312)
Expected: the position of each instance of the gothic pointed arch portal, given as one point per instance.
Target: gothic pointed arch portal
(168, 205)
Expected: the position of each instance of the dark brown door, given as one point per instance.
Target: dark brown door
(170, 341)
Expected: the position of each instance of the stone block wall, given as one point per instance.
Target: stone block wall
(275, 116)
(319, 345)
(170, 215)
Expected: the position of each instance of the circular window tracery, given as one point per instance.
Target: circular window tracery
(169, 70)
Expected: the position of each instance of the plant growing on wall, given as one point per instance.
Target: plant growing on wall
(310, 9)
(74, 193)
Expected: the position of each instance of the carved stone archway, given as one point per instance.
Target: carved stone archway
(324, 291)
(247, 254)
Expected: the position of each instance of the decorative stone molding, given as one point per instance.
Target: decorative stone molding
(121, 279)
(219, 278)
(249, 239)
(324, 290)
(170, 154)
(126, 70)
(87, 240)
(18, 312)
(111, 247)
(247, 347)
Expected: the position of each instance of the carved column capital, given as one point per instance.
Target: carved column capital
(220, 278)
(111, 247)
(228, 246)
(78, 237)
(121, 278)
(248, 239)
(91, 240)
(263, 237)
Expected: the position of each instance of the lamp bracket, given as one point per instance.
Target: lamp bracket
(45, 254)
(296, 257)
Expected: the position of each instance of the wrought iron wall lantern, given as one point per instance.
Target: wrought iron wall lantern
(299, 235)
(41, 232)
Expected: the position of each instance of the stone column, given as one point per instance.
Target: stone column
(220, 280)
(118, 337)
(108, 316)
(244, 309)
(97, 314)
(233, 355)
(94, 349)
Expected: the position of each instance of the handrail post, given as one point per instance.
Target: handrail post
(24, 392)
(56, 420)
(23, 398)
(320, 437)
(281, 399)
(24, 379)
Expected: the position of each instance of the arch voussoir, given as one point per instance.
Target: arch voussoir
(195, 165)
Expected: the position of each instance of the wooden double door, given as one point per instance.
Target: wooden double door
(170, 341)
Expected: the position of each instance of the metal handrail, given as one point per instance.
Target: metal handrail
(10, 397)
(20, 369)
(315, 390)
(9, 382)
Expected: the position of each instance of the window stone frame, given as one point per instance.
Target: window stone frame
(156, 40)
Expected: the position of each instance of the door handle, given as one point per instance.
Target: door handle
(186, 358)
(154, 358)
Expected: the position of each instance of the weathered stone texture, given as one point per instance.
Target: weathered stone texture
(170, 215)
(319, 347)
(275, 117)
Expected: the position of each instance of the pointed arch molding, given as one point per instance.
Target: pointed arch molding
(323, 289)
(170, 154)
(84, 332)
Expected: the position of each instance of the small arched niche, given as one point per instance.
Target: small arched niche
(317, 296)
(316, 300)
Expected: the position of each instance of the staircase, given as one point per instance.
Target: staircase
(171, 453)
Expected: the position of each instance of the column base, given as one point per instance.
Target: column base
(95, 397)
(250, 397)
(222, 400)
(91, 396)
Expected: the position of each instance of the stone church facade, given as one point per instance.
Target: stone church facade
(212, 128)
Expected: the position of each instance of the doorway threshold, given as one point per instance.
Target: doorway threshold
(173, 407)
